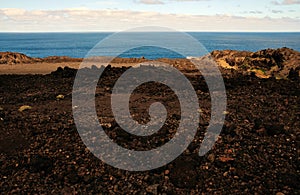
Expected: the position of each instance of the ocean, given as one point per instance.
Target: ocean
(78, 44)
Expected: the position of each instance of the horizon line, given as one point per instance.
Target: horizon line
(188, 31)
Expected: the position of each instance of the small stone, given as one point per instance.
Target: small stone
(106, 125)
(24, 107)
(116, 188)
(146, 177)
(2, 114)
(152, 189)
(225, 159)
(87, 178)
(225, 112)
(72, 178)
(261, 130)
(167, 172)
(211, 157)
(60, 97)
(228, 151)
(205, 167)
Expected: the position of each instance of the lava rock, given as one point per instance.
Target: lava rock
(184, 174)
(274, 129)
(40, 163)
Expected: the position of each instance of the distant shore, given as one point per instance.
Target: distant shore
(279, 63)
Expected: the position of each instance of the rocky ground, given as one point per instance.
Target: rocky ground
(257, 151)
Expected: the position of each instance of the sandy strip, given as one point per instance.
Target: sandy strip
(45, 68)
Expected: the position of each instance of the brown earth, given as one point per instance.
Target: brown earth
(257, 151)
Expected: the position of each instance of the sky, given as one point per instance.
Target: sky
(118, 15)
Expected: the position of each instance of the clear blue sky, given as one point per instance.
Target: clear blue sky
(196, 15)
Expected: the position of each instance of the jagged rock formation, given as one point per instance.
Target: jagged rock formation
(15, 58)
(279, 63)
(19, 58)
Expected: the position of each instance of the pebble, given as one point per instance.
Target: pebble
(24, 107)
(167, 172)
(60, 97)
(225, 159)
(152, 189)
(225, 112)
(211, 157)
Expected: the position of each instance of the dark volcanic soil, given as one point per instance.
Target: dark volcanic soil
(257, 151)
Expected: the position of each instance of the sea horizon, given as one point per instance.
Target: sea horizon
(78, 44)
(184, 31)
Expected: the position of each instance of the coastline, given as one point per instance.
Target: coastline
(278, 63)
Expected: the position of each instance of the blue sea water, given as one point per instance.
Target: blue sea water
(78, 44)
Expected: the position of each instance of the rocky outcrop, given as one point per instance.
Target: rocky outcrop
(279, 63)
(65, 72)
(15, 58)
(59, 59)
(19, 58)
